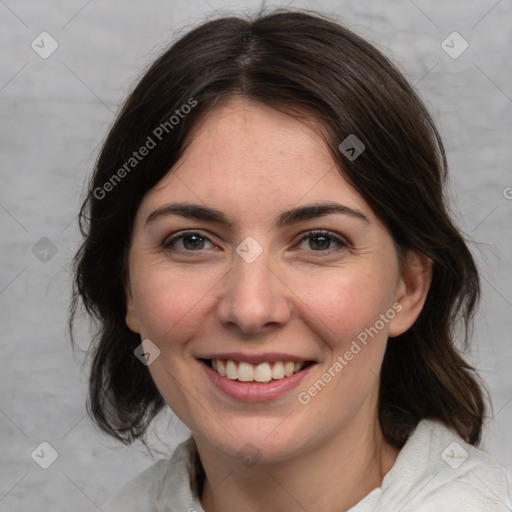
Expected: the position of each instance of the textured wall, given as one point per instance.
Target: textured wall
(56, 110)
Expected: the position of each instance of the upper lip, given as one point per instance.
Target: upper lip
(256, 358)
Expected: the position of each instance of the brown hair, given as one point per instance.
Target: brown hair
(303, 64)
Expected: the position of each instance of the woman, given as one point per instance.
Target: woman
(268, 252)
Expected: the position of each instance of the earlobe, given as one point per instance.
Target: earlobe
(132, 320)
(411, 292)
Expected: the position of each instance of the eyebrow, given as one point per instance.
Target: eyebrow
(287, 218)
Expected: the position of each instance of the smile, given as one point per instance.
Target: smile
(265, 378)
(263, 372)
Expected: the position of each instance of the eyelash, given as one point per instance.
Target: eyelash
(168, 244)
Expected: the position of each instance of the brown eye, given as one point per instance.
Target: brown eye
(321, 241)
(191, 241)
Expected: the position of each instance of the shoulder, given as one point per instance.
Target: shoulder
(438, 470)
(163, 485)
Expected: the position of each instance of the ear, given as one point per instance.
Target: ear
(132, 319)
(411, 291)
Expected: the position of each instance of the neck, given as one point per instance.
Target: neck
(333, 476)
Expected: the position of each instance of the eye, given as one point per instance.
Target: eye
(193, 241)
(322, 241)
(188, 241)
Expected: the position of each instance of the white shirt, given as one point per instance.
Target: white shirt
(436, 471)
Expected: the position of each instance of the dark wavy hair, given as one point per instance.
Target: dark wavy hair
(305, 65)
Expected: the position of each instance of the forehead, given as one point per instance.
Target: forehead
(250, 132)
(245, 156)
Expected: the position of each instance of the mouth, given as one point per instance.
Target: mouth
(263, 372)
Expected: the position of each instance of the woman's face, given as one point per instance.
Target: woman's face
(231, 266)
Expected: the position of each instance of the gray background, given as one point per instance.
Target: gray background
(56, 111)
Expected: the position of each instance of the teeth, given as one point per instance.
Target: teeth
(245, 372)
(278, 370)
(231, 370)
(263, 372)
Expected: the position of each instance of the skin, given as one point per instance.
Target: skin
(252, 162)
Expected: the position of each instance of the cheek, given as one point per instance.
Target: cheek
(168, 302)
(343, 304)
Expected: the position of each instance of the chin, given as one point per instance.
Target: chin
(251, 443)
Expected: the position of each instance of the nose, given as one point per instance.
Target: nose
(254, 297)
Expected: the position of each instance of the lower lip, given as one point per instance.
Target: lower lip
(255, 391)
